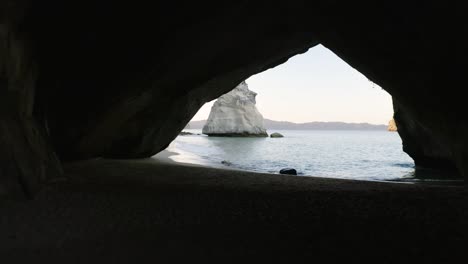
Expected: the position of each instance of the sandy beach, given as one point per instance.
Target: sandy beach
(155, 209)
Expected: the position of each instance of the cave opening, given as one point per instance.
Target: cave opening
(334, 120)
(88, 92)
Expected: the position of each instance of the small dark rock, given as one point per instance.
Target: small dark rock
(184, 133)
(227, 163)
(276, 135)
(289, 171)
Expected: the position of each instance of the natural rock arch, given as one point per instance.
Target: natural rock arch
(120, 81)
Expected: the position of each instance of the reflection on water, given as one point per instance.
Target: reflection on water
(364, 155)
(231, 147)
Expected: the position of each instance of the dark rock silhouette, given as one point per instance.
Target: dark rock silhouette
(276, 135)
(126, 80)
(421, 143)
(227, 163)
(289, 171)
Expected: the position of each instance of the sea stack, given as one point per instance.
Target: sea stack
(235, 115)
(392, 126)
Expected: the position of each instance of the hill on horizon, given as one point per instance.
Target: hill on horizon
(286, 125)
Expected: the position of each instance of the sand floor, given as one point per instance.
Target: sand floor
(157, 211)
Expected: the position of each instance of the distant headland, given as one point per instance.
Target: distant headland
(285, 125)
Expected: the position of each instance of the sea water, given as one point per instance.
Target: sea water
(349, 154)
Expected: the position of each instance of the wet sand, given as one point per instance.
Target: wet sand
(155, 210)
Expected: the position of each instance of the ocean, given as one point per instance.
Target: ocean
(349, 154)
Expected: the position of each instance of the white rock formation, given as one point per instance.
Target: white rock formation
(235, 114)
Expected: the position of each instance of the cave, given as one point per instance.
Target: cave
(83, 85)
(320, 104)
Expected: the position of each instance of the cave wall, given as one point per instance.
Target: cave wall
(426, 149)
(27, 159)
(104, 79)
(416, 56)
(121, 87)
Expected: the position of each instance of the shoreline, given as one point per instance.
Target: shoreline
(164, 157)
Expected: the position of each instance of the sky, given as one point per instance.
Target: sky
(316, 86)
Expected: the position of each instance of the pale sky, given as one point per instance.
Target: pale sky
(316, 86)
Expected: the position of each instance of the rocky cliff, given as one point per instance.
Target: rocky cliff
(421, 143)
(235, 114)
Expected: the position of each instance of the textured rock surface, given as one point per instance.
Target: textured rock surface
(235, 114)
(27, 160)
(392, 126)
(423, 146)
(276, 135)
(124, 81)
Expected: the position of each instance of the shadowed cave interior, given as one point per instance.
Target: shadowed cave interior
(79, 82)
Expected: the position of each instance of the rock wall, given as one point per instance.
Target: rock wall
(27, 160)
(235, 114)
(420, 143)
(120, 80)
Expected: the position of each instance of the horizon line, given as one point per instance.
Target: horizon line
(310, 122)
